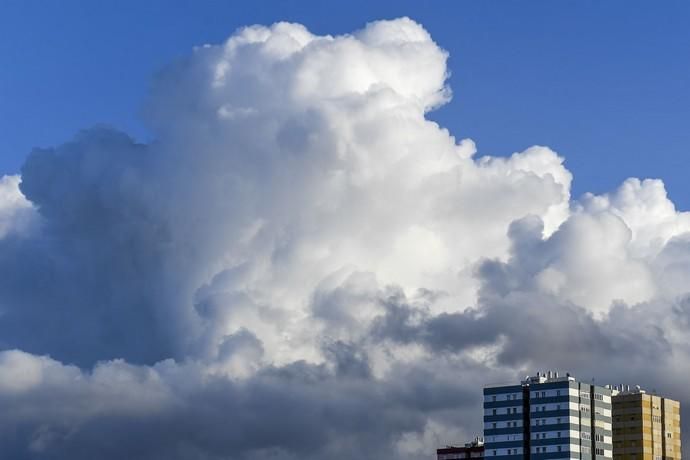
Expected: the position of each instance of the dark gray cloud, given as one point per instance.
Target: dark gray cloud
(530, 327)
(88, 286)
(171, 411)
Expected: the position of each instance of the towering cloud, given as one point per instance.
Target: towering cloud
(302, 265)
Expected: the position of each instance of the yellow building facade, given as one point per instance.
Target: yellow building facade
(645, 426)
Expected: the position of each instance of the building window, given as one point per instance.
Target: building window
(493, 412)
(493, 398)
(559, 448)
(558, 392)
(493, 425)
(494, 453)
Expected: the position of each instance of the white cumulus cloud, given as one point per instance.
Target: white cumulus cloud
(16, 213)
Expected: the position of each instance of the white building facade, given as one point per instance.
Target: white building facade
(548, 417)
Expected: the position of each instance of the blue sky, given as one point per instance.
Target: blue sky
(606, 84)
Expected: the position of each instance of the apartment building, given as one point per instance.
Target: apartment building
(546, 417)
(645, 426)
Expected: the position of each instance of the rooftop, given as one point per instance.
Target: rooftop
(548, 376)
